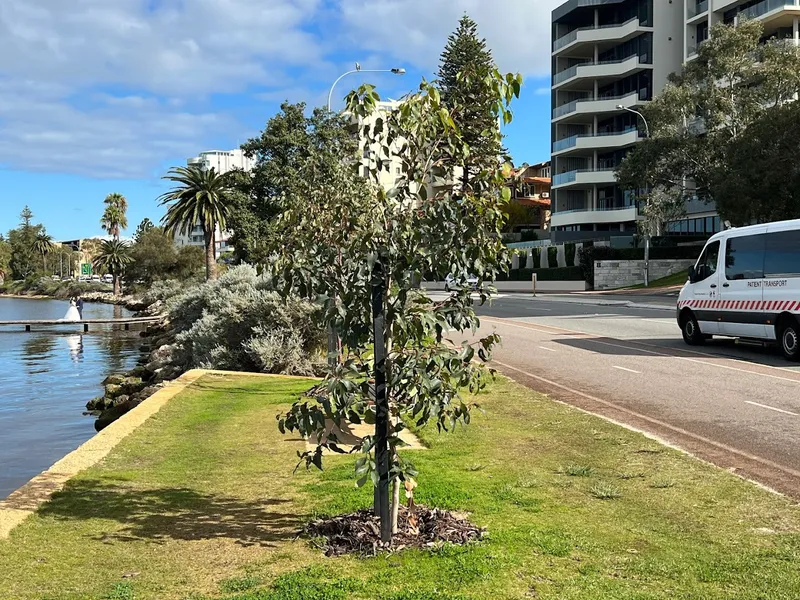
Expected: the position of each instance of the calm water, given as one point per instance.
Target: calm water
(46, 378)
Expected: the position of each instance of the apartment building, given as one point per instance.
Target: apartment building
(222, 161)
(530, 187)
(613, 56)
(608, 57)
(781, 19)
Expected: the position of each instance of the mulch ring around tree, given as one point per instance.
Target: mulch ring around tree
(417, 527)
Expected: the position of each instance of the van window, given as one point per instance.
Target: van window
(707, 264)
(744, 257)
(782, 257)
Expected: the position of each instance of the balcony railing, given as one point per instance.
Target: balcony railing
(571, 176)
(698, 8)
(573, 70)
(573, 35)
(573, 140)
(589, 209)
(565, 109)
(764, 7)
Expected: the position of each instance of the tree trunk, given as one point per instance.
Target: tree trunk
(44, 261)
(395, 502)
(211, 254)
(117, 285)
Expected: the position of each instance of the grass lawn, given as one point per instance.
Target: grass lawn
(668, 281)
(201, 502)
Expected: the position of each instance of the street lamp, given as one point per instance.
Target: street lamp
(647, 233)
(636, 112)
(358, 69)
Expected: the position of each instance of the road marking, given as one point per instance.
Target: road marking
(725, 447)
(548, 349)
(780, 410)
(594, 338)
(670, 322)
(628, 370)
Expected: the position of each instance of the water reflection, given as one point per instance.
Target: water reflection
(37, 349)
(75, 344)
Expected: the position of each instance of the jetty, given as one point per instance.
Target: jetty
(125, 322)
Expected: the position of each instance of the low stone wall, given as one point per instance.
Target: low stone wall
(611, 274)
(522, 286)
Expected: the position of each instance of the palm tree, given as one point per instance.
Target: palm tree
(115, 218)
(199, 198)
(44, 245)
(114, 256)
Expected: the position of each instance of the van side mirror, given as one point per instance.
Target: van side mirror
(692, 274)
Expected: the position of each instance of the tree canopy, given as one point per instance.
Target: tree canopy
(705, 116)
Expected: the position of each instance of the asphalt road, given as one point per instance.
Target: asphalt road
(736, 406)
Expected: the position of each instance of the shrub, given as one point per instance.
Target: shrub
(552, 256)
(537, 257)
(569, 254)
(238, 322)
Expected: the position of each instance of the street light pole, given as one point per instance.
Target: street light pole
(647, 233)
(358, 69)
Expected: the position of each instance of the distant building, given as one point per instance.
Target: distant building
(222, 161)
(530, 187)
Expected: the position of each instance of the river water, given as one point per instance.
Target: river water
(46, 378)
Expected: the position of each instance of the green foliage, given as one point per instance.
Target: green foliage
(552, 257)
(200, 197)
(464, 64)
(427, 223)
(24, 260)
(114, 257)
(701, 126)
(569, 254)
(238, 322)
(142, 228)
(5, 257)
(292, 154)
(577, 471)
(155, 257)
(115, 217)
(536, 254)
(605, 491)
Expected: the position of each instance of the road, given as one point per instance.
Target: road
(736, 406)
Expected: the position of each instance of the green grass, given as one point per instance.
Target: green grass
(201, 503)
(668, 281)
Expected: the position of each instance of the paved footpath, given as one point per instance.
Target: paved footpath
(736, 406)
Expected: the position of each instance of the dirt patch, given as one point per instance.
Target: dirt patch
(418, 527)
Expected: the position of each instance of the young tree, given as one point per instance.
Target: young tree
(702, 112)
(344, 242)
(115, 217)
(201, 196)
(114, 257)
(464, 62)
(5, 257)
(142, 228)
(154, 256)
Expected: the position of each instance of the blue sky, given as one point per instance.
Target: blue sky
(100, 96)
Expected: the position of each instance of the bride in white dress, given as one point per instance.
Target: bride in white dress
(72, 312)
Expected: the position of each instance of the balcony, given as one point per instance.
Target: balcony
(764, 7)
(698, 9)
(587, 216)
(585, 177)
(593, 106)
(597, 141)
(613, 32)
(598, 70)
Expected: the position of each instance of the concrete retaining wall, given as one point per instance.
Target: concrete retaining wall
(611, 274)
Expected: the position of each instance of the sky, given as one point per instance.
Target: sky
(100, 96)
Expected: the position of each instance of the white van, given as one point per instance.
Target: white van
(746, 284)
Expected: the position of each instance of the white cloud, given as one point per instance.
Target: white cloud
(113, 88)
(517, 31)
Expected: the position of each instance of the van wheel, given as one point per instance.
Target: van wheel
(789, 338)
(691, 330)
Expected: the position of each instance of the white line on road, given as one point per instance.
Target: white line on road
(628, 370)
(780, 410)
(548, 349)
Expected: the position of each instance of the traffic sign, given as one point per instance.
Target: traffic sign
(86, 269)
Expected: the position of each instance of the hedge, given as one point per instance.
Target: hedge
(554, 274)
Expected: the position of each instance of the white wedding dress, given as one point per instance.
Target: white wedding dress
(72, 313)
